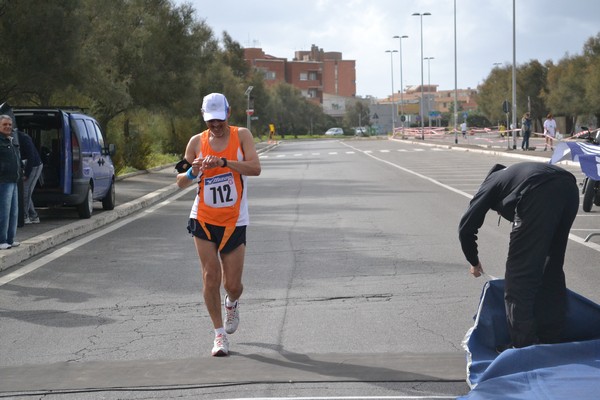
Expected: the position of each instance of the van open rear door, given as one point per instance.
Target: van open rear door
(66, 152)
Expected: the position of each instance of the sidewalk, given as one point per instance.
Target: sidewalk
(133, 192)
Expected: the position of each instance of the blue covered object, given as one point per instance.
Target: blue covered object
(587, 154)
(569, 370)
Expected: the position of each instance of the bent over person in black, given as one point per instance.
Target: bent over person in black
(541, 200)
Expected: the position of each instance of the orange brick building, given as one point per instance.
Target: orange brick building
(314, 72)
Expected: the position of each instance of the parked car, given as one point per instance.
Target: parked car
(78, 168)
(334, 132)
(360, 131)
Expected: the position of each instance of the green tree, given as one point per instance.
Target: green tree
(39, 49)
(233, 56)
(531, 83)
(286, 101)
(591, 51)
(357, 114)
(497, 88)
(565, 94)
(493, 92)
(144, 54)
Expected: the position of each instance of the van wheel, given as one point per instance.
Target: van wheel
(85, 209)
(108, 202)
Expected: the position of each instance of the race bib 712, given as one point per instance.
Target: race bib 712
(220, 191)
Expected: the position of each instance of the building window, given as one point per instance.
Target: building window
(303, 76)
(312, 76)
(270, 75)
(312, 93)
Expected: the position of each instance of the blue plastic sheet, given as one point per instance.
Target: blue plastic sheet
(569, 370)
(587, 154)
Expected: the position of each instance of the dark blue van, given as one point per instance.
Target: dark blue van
(78, 169)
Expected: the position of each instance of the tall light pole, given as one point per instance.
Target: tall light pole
(455, 82)
(421, 17)
(393, 103)
(514, 81)
(401, 83)
(248, 111)
(429, 86)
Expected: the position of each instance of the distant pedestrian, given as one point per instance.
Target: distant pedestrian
(463, 129)
(10, 173)
(525, 131)
(31, 175)
(549, 131)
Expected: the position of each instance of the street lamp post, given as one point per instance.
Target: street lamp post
(429, 86)
(455, 82)
(248, 112)
(514, 82)
(393, 103)
(421, 17)
(401, 83)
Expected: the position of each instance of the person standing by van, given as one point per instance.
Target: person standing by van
(221, 158)
(31, 174)
(10, 173)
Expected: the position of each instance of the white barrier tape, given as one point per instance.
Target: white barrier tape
(488, 131)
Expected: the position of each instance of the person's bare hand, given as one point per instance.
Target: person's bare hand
(197, 165)
(211, 161)
(476, 270)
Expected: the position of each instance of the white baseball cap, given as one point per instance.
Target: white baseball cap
(215, 106)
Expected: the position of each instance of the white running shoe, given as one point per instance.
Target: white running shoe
(5, 246)
(221, 346)
(232, 317)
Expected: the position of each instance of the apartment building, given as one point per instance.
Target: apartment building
(315, 72)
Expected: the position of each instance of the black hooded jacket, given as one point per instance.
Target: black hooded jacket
(501, 191)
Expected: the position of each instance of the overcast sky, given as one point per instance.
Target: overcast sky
(363, 29)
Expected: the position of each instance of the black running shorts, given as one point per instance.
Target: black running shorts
(226, 238)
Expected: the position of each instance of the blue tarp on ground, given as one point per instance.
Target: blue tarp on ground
(569, 370)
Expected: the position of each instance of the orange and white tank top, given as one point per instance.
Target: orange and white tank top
(221, 198)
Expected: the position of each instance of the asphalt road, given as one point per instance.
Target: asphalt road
(354, 286)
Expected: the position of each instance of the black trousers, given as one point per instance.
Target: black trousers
(535, 289)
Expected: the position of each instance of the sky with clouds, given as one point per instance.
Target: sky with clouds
(362, 30)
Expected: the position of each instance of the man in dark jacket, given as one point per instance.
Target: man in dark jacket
(541, 200)
(10, 171)
(31, 174)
